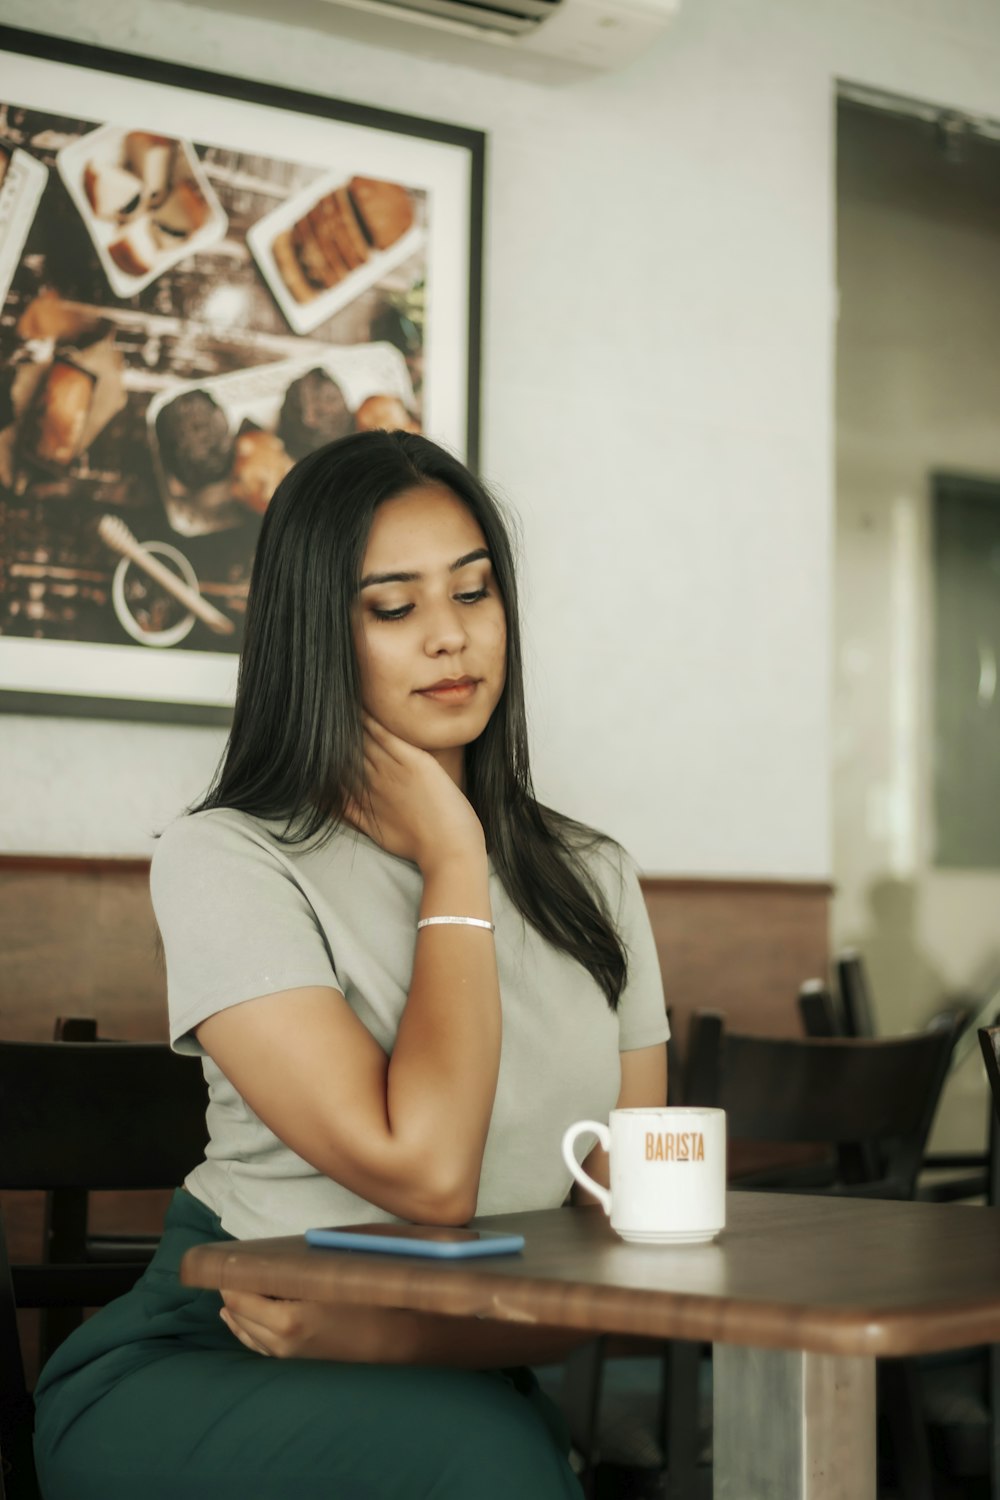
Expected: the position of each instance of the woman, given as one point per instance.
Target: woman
(405, 978)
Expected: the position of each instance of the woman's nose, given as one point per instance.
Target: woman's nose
(445, 630)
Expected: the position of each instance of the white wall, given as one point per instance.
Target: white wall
(658, 353)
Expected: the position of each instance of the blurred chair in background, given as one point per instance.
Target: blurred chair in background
(77, 1117)
(852, 1013)
(871, 1103)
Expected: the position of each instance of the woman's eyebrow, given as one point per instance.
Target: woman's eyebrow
(461, 562)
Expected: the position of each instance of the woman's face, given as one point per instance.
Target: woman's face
(429, 626)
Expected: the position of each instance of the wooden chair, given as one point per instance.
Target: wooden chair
(853, 1014)
(872, 1102)
(961, 1392)
(818, 1010)
(855, 995)
(17, 1466)
(835, 1091)
(989, 1041)
(76, 1117)
(68, 1237)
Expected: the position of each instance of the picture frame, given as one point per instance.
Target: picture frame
(202, 278)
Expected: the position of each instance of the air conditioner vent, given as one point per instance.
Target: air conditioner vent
(544, 40)
(513, 17)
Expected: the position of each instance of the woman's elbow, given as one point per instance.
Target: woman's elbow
(443, 1197)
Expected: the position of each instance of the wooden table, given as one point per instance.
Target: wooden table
(800, 1296)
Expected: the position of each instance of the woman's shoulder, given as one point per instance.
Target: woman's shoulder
(199, 842)
(211, 828)
(224, 838)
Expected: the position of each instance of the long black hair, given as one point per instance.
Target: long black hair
(295, 747)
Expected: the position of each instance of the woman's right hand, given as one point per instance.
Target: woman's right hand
(410, 805)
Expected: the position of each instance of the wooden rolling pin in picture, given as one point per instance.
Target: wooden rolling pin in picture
(113, 531)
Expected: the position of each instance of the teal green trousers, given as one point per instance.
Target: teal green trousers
(154, 1399)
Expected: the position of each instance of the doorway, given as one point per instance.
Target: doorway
(916, 763)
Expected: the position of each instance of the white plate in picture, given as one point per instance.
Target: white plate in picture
(173, 634)
(303, 317)
(257, 396)
(21, 188)
(139, 230)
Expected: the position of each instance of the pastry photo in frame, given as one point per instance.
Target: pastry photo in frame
(202, 279)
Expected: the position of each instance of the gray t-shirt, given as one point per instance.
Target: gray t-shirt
(242, 915)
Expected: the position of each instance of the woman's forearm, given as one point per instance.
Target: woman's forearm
(443, 1071)
(388, 1336)
(404, 1130)
(476, 1344)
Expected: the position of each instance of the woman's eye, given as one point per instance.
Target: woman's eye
(473, 596)
(399, 613)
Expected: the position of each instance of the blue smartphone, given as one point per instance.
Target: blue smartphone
(433, 1241)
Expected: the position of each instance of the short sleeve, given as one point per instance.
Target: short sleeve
(233, 920)
(642, 1016)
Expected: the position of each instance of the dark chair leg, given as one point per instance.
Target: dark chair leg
(993, 1408)
(899, 1391)
(679, 1417)
(17, 1463)
(65, 1240)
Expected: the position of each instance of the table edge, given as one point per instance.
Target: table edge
(860, 1330)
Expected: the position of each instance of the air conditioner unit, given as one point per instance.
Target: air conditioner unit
(580, 34)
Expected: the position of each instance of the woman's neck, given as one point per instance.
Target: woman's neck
(452, 761)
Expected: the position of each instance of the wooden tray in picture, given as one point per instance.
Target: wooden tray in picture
(151, 249)
(255, 399)
(270, 242)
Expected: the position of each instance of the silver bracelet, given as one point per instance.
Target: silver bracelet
(455, 921)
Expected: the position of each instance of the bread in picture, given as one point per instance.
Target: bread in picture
(314, 412)
(260, 464)
(339, 233)
(314, 263)
(196, 444)
(384, 413)
(385, 209)
(349, 235)
(54, 425)
(336, 232)
(184, 212)
(151, 158)
(137, 250)
(290, 269)
(320, 220)
(112, 192)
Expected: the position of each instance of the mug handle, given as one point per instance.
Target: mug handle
(569, 1140)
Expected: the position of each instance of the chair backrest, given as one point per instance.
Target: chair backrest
(854, 1094)
(989, 1041)
(76, 1117)
(818, 1010)
(116, 1115)
(68, 1235)
(855, 995)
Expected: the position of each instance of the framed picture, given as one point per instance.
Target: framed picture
(202, 279)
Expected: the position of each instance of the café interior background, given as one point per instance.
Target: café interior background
(724, 501)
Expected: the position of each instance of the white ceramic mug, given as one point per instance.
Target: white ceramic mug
(668, 1173)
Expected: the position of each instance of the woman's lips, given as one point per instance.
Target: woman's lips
(457, 690)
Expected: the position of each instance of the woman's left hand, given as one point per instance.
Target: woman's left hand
(309, 1330)
(388, 1335)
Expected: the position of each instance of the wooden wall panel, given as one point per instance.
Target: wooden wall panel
(739, 947)
(78, 937)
